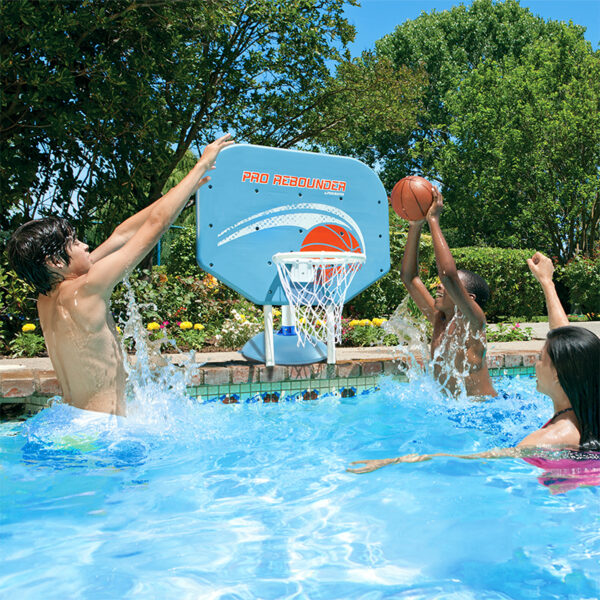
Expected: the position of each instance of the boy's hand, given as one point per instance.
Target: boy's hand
(437, 206)
(209, 156)
(541, 267)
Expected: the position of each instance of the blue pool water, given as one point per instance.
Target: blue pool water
(191, 500)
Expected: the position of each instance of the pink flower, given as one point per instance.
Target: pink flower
(518, 325)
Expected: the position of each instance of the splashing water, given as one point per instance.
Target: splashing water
(449, 365)
(155, 386)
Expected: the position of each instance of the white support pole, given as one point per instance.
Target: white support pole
(287, 316)
(269, 346)
(330, 324)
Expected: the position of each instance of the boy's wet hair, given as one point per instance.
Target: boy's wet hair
(35, 242)
(575, 354)
(476, 285)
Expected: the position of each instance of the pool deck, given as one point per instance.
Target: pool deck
(29, 382)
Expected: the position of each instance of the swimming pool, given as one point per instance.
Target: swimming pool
(192, 500)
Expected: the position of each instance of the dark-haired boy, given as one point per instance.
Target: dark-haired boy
(458, 344)
(75, 286)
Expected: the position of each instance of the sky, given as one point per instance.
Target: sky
(376, 18)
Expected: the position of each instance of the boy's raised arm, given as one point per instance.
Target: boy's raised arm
(410, 271)
(542, 268)
(107, 271)
(446, 266)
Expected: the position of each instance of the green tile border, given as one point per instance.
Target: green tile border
(232, 393)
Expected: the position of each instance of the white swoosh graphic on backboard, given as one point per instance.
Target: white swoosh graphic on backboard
(269, 218)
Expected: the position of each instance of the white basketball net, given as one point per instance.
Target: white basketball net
(315, 284)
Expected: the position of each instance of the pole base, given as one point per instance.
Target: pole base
(287, 350)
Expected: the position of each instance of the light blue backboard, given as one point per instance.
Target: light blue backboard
(262, 200)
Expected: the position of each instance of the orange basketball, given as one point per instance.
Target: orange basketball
(412, 197)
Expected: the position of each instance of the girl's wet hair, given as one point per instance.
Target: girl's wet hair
(575, 354)
(35, 242)
(476, 285)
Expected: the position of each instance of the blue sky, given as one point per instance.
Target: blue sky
(376, 18)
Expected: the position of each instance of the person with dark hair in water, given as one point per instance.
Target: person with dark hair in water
(458, 344)
(568, 371)
(75, 285)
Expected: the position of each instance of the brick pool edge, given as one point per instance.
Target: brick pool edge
(26, 388)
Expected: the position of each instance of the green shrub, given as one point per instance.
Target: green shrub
(509, 332)
(17, 303)
(27, 345)
(181, 257)
(162, 297)
(581, 276)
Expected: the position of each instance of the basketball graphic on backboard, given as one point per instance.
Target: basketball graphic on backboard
(330, 237)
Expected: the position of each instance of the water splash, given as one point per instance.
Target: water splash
(449, 366)
(411, 354)
(156, 387)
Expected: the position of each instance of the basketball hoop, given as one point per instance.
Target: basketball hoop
(315, 284)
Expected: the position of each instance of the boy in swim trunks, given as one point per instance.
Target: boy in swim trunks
(75, 286)
(458, 344)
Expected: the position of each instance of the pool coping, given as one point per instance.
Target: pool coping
(26, 385)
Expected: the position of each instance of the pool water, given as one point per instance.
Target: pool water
(203, 500)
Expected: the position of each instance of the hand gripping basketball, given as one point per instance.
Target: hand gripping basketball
(412, 197)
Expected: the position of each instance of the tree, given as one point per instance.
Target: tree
(522, 164)
(103, 99)
(508, 125)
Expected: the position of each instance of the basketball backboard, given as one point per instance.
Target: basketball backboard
(261, 201)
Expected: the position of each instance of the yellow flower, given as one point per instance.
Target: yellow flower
(118, 329)
(28, 327)
(365, 322)
(199, 326)
(276, 312)
(302, 320)
(185, 325)
(153, 326)
(379, 322)
(211, 281)
(319, 323)
(354, 323)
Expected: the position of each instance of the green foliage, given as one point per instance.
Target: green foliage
(244, 323)
(582, 277)
(191, 339)
(384, 295)
(27, 345)
(509, 122)
(366, 335)
(508, 332)
(17, 302)
(103, 100)
(513, 290)
(521, 167)
(181, 259)
(162, 297)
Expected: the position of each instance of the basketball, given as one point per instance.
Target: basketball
(412, 197)
(329, 238)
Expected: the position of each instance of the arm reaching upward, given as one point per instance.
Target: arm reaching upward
(112, 266)
(447, 270)
(542, 268)
(410, 271)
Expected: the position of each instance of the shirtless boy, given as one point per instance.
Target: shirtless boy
(75, 285)
(460, 293)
